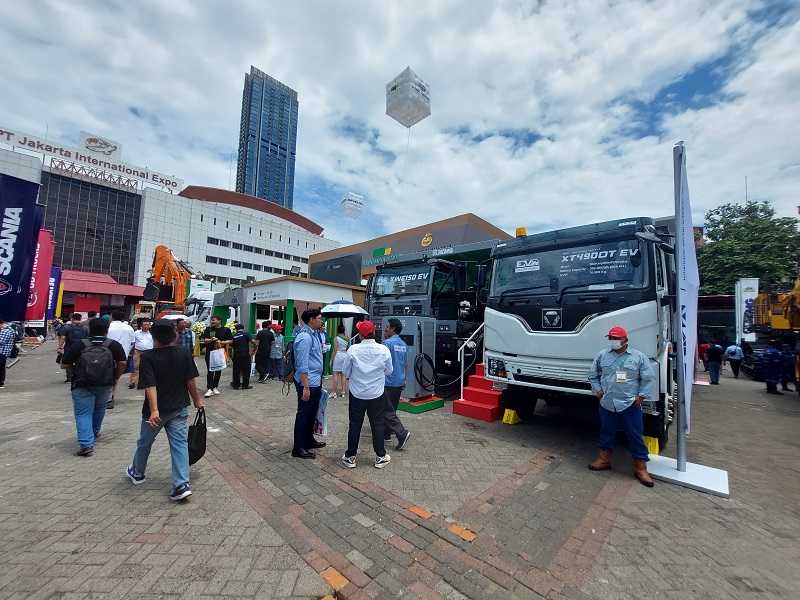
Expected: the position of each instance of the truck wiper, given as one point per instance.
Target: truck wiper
(518, 291)
(580, 285)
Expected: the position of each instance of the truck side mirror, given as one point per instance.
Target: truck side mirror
(481, 278)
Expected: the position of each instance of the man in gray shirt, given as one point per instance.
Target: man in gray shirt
(621, 379)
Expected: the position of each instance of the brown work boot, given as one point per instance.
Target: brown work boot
(602, 462)
(640, 472)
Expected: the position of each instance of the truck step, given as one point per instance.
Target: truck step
(476, 381)
(479, 370)
(483, 397)
(466, 408)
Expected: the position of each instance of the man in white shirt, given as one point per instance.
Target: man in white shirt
(122, 333)
(142, 341)
(366, 366)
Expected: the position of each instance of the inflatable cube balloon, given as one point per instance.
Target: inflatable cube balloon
(408, 98)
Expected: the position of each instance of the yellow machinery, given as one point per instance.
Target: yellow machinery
(168, 271)
(778, 312)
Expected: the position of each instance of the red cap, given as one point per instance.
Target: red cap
(277, 327)
(617, 332)
(365, 328)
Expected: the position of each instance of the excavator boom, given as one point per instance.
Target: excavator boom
(168, 270)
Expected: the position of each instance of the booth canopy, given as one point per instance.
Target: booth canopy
(310, 292)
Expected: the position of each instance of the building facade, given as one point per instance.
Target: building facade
(228, 237)
(267, 139)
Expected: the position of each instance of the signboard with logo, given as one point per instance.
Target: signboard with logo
(20, 220)
(746, 292)
(54, 286)
(40, 280)
(93, 157)
(101, 146)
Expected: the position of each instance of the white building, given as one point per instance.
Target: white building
(231, 237)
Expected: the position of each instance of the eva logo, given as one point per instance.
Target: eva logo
(427, 240)
(5, 287)
(96, 144)
(525, 266)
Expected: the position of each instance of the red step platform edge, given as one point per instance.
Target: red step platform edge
(473, 410)
(476, 381)
(479, 370)
(485, 397)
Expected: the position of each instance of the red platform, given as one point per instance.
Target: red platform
(480, 401)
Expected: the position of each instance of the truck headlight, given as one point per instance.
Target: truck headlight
(497, 368)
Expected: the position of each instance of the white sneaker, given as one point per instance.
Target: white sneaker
(208, 394)
(216, 391)
(349, 462)
(382, 461)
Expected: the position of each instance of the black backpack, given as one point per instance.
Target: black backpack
(288, 363)
(95, 367)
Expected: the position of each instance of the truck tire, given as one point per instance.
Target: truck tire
(523, 400)
(655, 426)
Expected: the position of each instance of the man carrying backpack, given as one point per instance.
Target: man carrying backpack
(96, 363)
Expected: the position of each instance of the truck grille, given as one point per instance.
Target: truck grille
(564, 383)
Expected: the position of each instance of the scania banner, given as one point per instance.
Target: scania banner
(40, 276)
(52, 293)
(19, 229)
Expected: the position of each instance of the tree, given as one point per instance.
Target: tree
(747, 240)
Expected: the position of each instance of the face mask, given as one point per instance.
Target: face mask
(615, 344)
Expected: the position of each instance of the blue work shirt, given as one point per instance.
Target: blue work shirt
(734, 352)
(397, 348)
(308, 356)
(621, 377)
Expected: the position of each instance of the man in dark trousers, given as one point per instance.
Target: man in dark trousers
(242, 359)
(622, 379)
(307, 350)
(265, 337)
(215, 336)
(96, 363)
(715, 354)
(395, 381)
(68, 335)
(8, 337)
(167, 376)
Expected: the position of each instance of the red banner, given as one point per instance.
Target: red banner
(40, 279)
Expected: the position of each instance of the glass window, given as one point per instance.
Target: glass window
(239, 227)
(236, 246)
(247, 265)
(224, 243)
(211, 259)
(212, 241)
(258, 250)
(247, 248)
(227, 223)
(215, 220)
(400, 281)
(223, 261)
(236, 263)
(256, 267)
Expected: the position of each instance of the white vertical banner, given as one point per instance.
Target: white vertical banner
(746, 292)
(688, 283)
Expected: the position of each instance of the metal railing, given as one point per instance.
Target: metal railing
(470, 339)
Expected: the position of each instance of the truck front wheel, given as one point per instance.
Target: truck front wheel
(523, 400)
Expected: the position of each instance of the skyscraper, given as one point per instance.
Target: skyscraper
(267, 139)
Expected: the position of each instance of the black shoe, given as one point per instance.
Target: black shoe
(315, 444)
(131, 386)
(236, 387)
(249, 387)
(85, 452)
(109, 405)
(303, 454)
(401, 443)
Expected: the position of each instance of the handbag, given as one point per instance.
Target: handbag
(216, 360)
(197, 437)
(321, 420)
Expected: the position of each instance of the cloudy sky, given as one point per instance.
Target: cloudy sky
(545, 114)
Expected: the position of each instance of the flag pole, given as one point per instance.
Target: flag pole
(677, 158)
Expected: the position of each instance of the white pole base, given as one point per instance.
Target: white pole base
(697, 477)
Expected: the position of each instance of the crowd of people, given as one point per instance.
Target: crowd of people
(777, 364)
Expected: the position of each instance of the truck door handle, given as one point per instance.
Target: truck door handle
(593, 299)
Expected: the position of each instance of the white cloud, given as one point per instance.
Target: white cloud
(567, 71)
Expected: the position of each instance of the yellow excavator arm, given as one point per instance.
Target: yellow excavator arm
(168, 270)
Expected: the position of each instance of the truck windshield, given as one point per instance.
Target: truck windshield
(603, 266)
(397, 282)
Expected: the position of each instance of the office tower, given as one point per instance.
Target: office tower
(267, 139)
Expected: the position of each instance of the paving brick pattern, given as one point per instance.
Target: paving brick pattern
(470, 510)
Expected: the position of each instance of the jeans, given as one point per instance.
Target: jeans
(374, 409)
(304, 419)
(262, 364)
(713, 371)
(631, 422)
(177, 431)
(241, 370)
(392, 423)
(3, 359)
(276, 367)
(89, 404)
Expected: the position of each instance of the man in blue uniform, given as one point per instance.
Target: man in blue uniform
(621, 379)
(395, 382)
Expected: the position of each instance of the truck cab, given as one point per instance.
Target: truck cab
(554, 296)
(444, 290)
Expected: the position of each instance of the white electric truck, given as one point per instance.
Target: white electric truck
(553, 297)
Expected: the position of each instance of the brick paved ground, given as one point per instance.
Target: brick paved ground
(469, 510)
